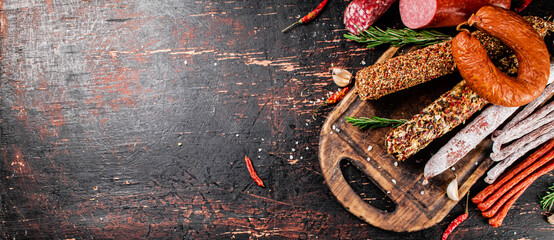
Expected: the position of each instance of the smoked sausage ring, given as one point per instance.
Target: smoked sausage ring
(480, 73)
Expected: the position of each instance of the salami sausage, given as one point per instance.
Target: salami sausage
(467, 139)
(515, 192)
(426, 64)
(536, 120)
(515, 180)
(448, 111)
(498, 218)
(360, 14)
(526, 138)
(483, 77)
(526, 111)
(499, 168)
(442, 13)
(485, 193)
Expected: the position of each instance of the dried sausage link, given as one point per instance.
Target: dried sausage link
(448, 111)
(481, 196)
(515, 180)
(518, 190)
(499, 168)
(486, 79)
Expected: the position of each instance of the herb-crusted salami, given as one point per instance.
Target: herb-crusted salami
(360, 14)
(441, 116)
(426, 64)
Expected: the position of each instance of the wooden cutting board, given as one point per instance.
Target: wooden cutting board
(417, 206)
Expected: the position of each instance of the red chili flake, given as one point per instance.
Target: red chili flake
(309, 17)
(252, 172)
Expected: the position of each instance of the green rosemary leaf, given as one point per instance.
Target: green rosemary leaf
(374, 122)
(375, 36)
(547, 201)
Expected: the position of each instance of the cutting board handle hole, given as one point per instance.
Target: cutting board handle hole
(365, 188)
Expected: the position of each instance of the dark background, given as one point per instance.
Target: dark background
(131, 119)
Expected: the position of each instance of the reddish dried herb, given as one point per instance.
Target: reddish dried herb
(309, 17)
(252, 172)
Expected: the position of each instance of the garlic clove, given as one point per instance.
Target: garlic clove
(551, 219)
(341, 77)
(452, 190)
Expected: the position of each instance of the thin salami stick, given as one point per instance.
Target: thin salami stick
(499, 217)
(495, 172)
(467, 139)
(529, 108)
(497, 220)
(516, 146)
(536, 120)
(480, 197)
(493, 210)
(515, 180)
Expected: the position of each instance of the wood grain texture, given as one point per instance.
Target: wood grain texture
(96, 95)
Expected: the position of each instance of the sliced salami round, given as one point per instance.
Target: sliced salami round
(442, 13)
(360, 14)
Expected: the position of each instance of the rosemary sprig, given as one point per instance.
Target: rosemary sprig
(374, 122)
(548, 201)
(375, 36)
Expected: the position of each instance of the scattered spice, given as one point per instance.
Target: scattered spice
(252, 172)
(456, 221)
(309, 17)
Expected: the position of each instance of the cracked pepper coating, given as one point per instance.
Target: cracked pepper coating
(448, 111)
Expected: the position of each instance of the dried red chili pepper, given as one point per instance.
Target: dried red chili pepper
(336, 97)
(252, 172)
(309, 17)
(456, 221)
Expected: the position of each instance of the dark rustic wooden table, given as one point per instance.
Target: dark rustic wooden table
(130, 119)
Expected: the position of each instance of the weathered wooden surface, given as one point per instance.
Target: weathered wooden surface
(130, 119)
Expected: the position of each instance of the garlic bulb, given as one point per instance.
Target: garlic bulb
(341, 77)
(452, 190)
(551, 219)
